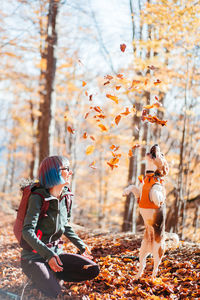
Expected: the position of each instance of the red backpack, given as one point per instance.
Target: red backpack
(21, 213)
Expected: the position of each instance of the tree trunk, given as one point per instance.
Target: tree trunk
(129, 219)
(48, 58)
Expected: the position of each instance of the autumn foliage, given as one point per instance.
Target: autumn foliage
(117, 257)
(107, 99)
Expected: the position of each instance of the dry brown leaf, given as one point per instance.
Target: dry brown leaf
(123, 47)
(154, 119)
(127, 112)
(92, 165)
(103, 127)
(117, 119)
(157, 82)
(108, 77)
(98, 109)
(90, 149)
(120, 76)
(86, 115)
(69, 129)
(156, 104)
(130, 153)
(114, 98)
(92, 138)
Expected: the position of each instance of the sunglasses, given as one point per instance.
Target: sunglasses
(65, 169)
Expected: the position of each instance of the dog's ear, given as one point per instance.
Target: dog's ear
(165, 168)
(162, 165)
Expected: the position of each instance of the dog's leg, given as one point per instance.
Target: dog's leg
(144, 251)
(142, 259)
(158, 252)
(132, 189)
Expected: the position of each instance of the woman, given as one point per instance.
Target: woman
(45, 262)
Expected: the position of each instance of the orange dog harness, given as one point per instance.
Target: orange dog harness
(149, 180)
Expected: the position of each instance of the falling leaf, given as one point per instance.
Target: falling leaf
(69, 129)
(117, 119)
(86, 115)
(103, 127)
(86, 93)
(120, 76)
(112, 166)
(84, 83)
(154, 119)
(134, 83)
(97, 108)
(118, 87)
(109, 77)
(130, 153)
(89, 149)
(114, 160)
(157, 82)
(127, 112)
(112, 163)
(101, 116)
(92, 165)
(114, 148)
(156, 98)
(85, 135)
(123, 47)
(140, 178)
(144, 113)
(116, 155)
(107, 82)
(156, 104)
(135, 146)
(114, 98)
(133, 109)
(152, 67)
(92, 138)
(90, 97)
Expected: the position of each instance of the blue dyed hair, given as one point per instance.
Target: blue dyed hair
(49, 171)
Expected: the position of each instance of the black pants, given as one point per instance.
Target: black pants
(47, 280)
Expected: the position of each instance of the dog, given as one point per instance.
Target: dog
(151, 198)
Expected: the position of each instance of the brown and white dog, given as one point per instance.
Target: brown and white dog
(151, 198)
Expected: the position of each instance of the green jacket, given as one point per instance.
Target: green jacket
(51, 226)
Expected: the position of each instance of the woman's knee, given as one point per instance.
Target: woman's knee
(92, 271)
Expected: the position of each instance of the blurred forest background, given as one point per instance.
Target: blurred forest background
(95, 80)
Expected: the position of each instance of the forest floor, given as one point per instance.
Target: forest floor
(117, 256)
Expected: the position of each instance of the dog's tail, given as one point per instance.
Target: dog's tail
(172, 239)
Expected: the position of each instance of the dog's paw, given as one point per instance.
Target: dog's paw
(128, 190)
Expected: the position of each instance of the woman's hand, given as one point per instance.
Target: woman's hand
(55, 264)
(87, 253)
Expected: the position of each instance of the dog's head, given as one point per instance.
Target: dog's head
(156, 161)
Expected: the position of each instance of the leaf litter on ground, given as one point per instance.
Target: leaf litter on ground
(117, 256)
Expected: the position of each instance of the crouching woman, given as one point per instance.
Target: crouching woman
(43, 259)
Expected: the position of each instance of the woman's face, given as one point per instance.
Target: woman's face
(66, 174)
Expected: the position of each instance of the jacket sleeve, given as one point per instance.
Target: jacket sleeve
(74, 238)
(30, 224)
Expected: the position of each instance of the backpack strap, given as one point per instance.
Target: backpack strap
(68, 200)
(44, 207)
